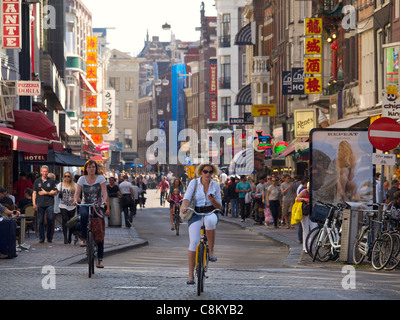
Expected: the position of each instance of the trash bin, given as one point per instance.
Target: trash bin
(115, 219)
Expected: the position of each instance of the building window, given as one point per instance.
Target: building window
(128, 136)
(114, 83)
(225, 38)
(225, 80)
(129, 84)
(128, 109)
(226, 108)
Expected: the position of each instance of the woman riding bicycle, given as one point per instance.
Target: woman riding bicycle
(207, 198)
(94, 190)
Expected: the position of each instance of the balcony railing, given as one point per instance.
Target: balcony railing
(224, 41)
(225, 83)
(261, 65)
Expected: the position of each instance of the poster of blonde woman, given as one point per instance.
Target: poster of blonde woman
(341, 167)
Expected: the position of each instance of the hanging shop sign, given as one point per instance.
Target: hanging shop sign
(29, 88)
(313, 56)
(391, 102)
(11, 24)
(304, 122)
(263, 141)
(263, 110)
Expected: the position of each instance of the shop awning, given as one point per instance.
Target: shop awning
(63, 159)
(26, 142)
(243, 97)
(103, 147)
(347, 123)
(246, 35)
(42, 127)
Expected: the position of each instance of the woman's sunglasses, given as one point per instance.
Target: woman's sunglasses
(206, 171)
(67, 176)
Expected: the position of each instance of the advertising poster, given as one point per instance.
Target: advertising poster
(341, 167)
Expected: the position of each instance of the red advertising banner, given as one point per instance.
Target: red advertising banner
(213, 110)
(11, 24)
(213, 79)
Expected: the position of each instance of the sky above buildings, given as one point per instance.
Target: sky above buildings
(132, 19)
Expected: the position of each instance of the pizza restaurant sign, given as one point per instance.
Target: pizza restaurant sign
(34, 157)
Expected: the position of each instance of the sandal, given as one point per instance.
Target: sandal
(190, 282)
(83, 244)
(99, 264)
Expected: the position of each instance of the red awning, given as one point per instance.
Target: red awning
(103, 147)
(42, 127)
(26, 142)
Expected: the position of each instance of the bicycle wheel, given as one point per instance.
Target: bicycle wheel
(395, 256)
(360, 248)
(310, 239)
(200, 269)
(323, 247)
(90, 253)
(381, 251)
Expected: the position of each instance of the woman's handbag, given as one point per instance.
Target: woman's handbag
(297, 212)
(98, 229)
(192, 204)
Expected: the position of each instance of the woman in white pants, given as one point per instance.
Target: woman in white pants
(207, 198)
(306, 223)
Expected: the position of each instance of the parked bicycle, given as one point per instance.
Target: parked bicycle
(327, 240)
(377, 241)
(202, 253)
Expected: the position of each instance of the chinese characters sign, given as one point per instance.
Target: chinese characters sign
(11, 24)
(313, 26)
(313, 56)
(313, 45)
(91, 69)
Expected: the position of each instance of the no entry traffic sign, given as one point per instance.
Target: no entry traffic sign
(384, 134)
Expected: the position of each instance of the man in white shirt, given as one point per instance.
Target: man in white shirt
(127, 200)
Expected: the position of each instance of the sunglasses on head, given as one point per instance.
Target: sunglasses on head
(207, 171)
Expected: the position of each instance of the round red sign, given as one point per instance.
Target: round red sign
(384, 134)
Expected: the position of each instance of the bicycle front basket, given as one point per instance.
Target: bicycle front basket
(319, 213)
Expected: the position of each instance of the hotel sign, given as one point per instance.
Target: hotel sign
(11, 24)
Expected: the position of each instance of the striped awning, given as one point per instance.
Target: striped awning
(246, 35)
(243, 97)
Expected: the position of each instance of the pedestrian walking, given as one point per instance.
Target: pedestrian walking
(242, 188)
(66, 192)
(273, 200)
(233, 198)
(44, 190)
(127, 200)
(306, 223)
(288, 197)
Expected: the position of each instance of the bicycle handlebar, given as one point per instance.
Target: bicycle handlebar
(204, 214)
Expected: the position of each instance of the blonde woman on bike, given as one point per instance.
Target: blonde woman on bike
(207, 198)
